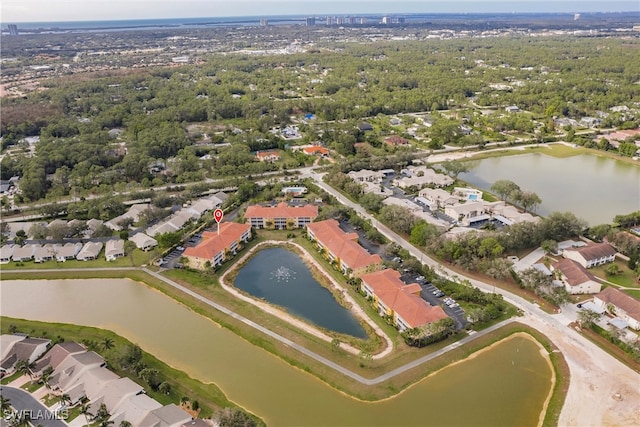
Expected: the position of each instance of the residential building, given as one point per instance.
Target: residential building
(167, 416)
(416, 210)
(422, 176)
(268, 156)
(508, 214)
(216, 247)
(436, 198)
(25, 253)
(575, 278)
(132, 214)
(7, 342)
(468, 213)
(72, 368)
(6, 252)
(89, 251)
(114, 249)
(591, 255)
(512, 109)
(172, 224)
(44, 253)
(28, 349)
(143, 242)
(316, 150)
(466, 193)
(395, 140)
(366, 175)
(67, 251)
(56, 355)
(399, 302)
(365, 127)
(297, 191)
(343, 248)
(620, 305)
(282, 216)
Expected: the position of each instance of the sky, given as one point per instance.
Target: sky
(15, 11)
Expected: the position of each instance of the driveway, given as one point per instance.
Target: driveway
(23, 401)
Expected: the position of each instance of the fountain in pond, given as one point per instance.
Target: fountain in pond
(283, 274)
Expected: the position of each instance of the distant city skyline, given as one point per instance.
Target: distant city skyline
(16, 11)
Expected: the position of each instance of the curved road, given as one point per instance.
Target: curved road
(24, 402)
(596, 375)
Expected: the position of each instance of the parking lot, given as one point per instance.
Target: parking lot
(430, 294)
(171, 260)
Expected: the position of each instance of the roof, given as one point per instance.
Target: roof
(7, 251)
(282, 210)
(397, 296)
(68, 250)
(57, 354)
(114, 247)
(6, 343)
(267, 154)
(26, 349)
(168, 415)
(116, 390)
(142, 240)
(343, 245)
(90, 249)
(574, 272)
(593, 252)
(212, 243)
(135, 409)
(316, 149)
(621, 300)
(396, 140)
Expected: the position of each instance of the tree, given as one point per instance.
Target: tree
(5, 404)
(549, 246)
(504, 188)
(587, 318)
(164, 388)
(454, 168)
(529, 200)
(612, 269)
(150, 376)
(423, 232)
(46, 376)
(25, 367)
(84, 410)
(107, 343)
(58, 232)
(39, 231)
(167, 240)
(125, 423)
(20, 238)
(233, 417)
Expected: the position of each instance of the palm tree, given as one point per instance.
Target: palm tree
(46, 376)
(5, 404)
(84, 410)
(25, 367)
(107, 343)
(125, 423)
(65, 399)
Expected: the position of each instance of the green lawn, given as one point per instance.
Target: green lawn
(31, 386)
(626, 279)
(139, 258)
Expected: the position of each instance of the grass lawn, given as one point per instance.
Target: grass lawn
(7, 380)
(51, 399)
(633, 292)
(31, 386)
(626, 279)
(139, 258)
(210, 397)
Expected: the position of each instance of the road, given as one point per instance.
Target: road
(595, 375)
(23, 401)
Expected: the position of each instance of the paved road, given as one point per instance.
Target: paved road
(23, 401)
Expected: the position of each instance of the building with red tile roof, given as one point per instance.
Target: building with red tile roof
(576, 279)
(316, 150)
(268, 155)
(395, 140)
(281, 216)
(343, 248)
(216, 248)
(591, 255)
(392, 298)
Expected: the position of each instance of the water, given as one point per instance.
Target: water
(593, 188)
(506, 385)
(282, 278)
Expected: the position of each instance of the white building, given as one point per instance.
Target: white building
(114, 249)
(591, 255)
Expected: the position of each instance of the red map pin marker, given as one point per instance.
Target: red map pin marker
(218, 214)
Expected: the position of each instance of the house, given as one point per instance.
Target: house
(468, 213)
(466, 193)
(395, 140)
(216, 247)
(6, 252)
(72, 368)
(67, 251)
(134, 409)
(508, 214)
(365, 127)
(343, 248)
(297, 191)
(92, 226)
(89, 251)
(56, 355)
(591, 255)
(575, 278)
(89, 384)
(114, 249)
(512, 109)
(399, 302)
(268, 156)
(44, 253)
(28, 349)
(24, 253)
(366, 175)
(280, 216)
(167, 416)
(6, 343)
(132, 214)
(143, 242)
(620, 305)
(172, 224)
(316, 150)
(436, 198)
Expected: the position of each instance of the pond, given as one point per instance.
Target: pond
(505, 385)
(282, 278)
(593, 188)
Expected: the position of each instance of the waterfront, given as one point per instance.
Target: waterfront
(594, 188)
(505, 385)
(281, 278)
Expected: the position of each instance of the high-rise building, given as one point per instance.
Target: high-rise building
(310, 21)
(264, 22)
(386, 20)
(363, 21)
(401, 20)
(329, 21)
(13, 30)
(352, 20)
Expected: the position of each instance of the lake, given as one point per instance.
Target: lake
(593, 188)
(282, 278)
(506, 385)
